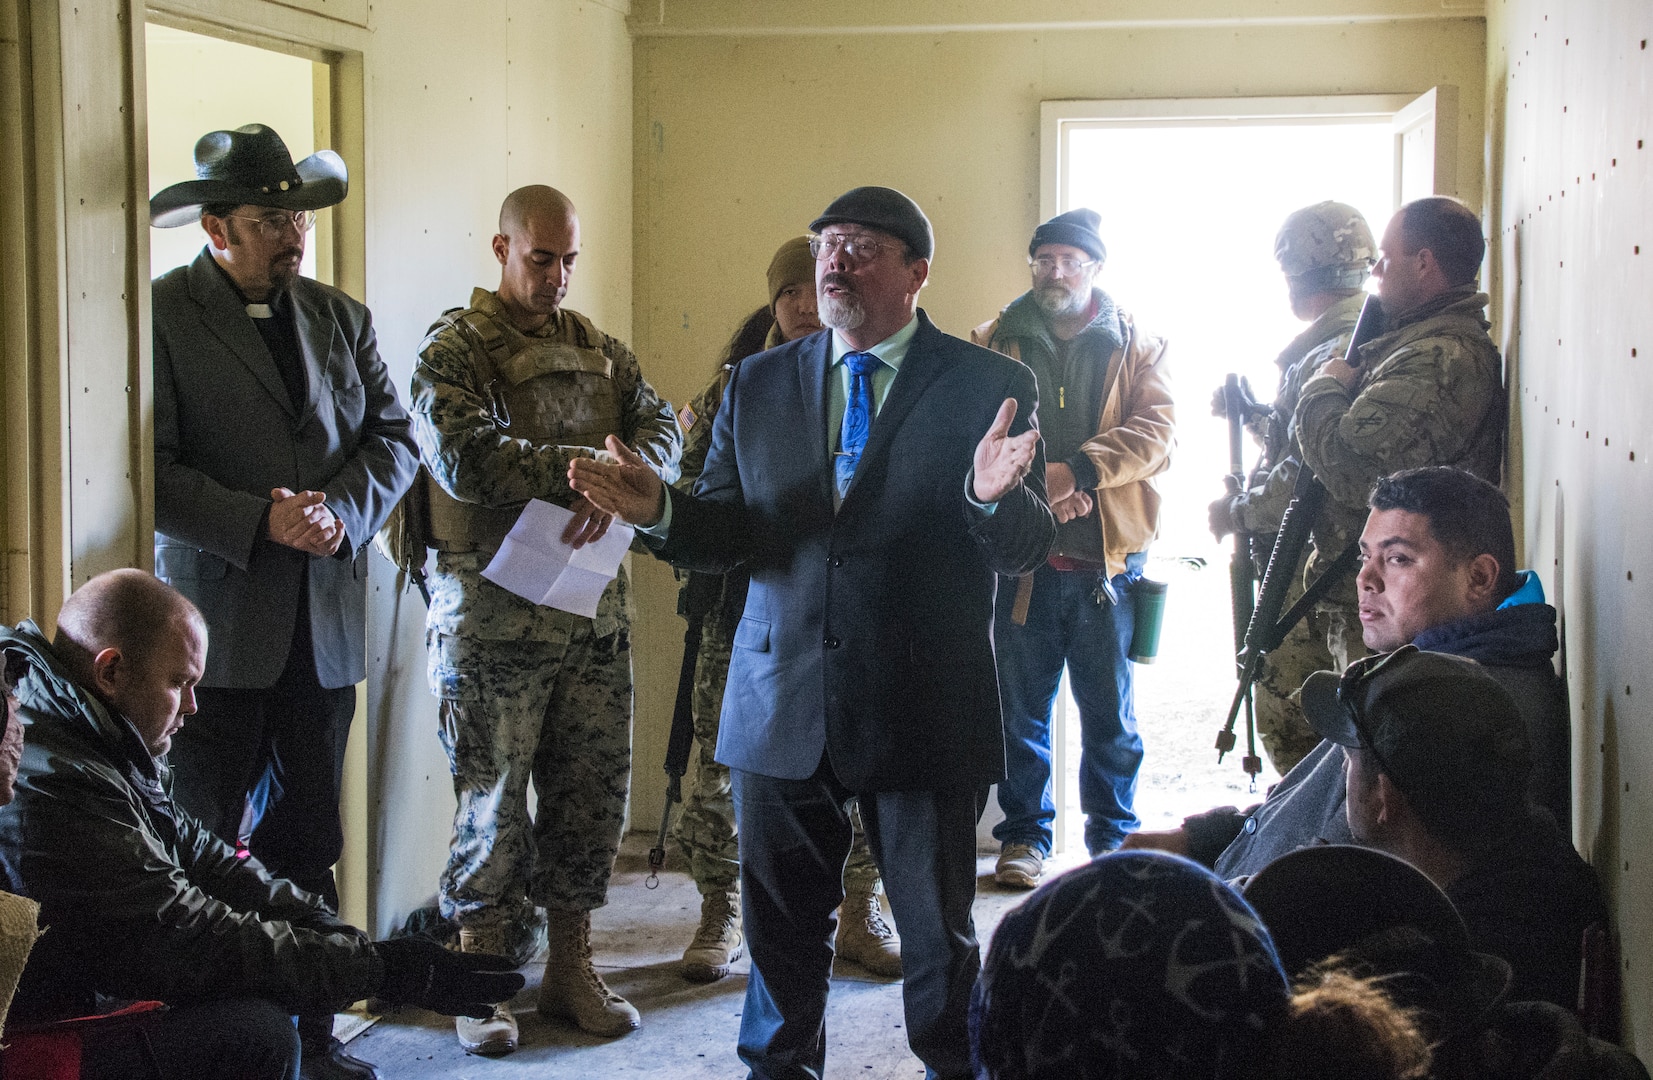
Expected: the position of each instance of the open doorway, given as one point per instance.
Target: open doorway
(1191, 195)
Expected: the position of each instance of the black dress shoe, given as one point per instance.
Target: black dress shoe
(328, 1060)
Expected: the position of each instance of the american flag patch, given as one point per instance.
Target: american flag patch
(686, 418)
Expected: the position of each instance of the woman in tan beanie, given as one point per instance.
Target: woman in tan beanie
(706, 830)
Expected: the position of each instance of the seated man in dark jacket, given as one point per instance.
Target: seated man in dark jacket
(143, 903)
(1437, 766)
(1435, 553)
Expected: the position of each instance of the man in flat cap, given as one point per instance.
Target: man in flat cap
(280, 448)
(872, 481)
(1107, 420)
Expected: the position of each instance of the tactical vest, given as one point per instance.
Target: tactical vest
(547, 393)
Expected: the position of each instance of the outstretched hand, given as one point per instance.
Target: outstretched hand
(629, 489)
(1002, 459)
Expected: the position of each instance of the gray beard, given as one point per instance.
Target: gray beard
(842, 312)
(1053, 301)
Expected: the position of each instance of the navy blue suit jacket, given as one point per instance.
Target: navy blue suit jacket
(867, 633)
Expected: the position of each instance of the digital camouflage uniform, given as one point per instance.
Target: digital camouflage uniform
(1431, 392)
(527, 691)
(705, 831)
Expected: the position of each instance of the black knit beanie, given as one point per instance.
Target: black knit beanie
(1076, 227)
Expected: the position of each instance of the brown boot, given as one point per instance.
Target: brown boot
(864, 936)
(719, 941)
(572, 989)
(496, 1034)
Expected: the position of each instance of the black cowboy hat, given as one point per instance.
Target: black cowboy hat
(250, 165)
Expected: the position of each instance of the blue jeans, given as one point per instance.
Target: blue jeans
(1067, 625)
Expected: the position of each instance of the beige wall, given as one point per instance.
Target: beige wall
(1571, 93)
(72, 273)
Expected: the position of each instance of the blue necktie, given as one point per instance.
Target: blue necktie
(852, 439)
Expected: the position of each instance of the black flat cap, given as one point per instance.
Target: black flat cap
(881, 208)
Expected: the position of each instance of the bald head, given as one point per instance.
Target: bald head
(538, 241)
(127, 610)
(535, 201)
(139, 646)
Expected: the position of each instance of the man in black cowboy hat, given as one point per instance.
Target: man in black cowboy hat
(280, 448)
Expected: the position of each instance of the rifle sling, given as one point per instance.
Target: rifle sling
(1346, 561)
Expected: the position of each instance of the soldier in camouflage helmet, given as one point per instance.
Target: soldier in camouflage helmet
(1428, 391)
(1326, 252)
(505, 394)
(706, 831)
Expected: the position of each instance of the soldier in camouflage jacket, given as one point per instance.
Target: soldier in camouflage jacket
(504, 395)
(1429, 391)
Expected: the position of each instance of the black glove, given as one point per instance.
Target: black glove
(420, 972)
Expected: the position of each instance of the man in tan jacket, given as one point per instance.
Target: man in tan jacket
(1106, 414)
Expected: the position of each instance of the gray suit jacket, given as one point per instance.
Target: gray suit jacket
(226, 434)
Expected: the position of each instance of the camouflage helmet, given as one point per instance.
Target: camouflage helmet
(1325, 246)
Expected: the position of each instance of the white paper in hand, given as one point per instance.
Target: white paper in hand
(534, 563)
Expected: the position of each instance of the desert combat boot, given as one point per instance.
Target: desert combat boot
(496, 1034)
(864, 936)
(718, 942)
(572, 989)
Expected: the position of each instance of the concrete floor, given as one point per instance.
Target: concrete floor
(688, 1029)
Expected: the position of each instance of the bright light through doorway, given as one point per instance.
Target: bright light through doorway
(1189, 214)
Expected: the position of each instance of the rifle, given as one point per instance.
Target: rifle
(1268, 627)
(694, 602)
(1241, 576)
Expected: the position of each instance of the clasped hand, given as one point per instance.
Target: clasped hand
(301, 520)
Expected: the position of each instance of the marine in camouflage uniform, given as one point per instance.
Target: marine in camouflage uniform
(527, 691)
(1428, 391)
(1325, 252)
(706, 831)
